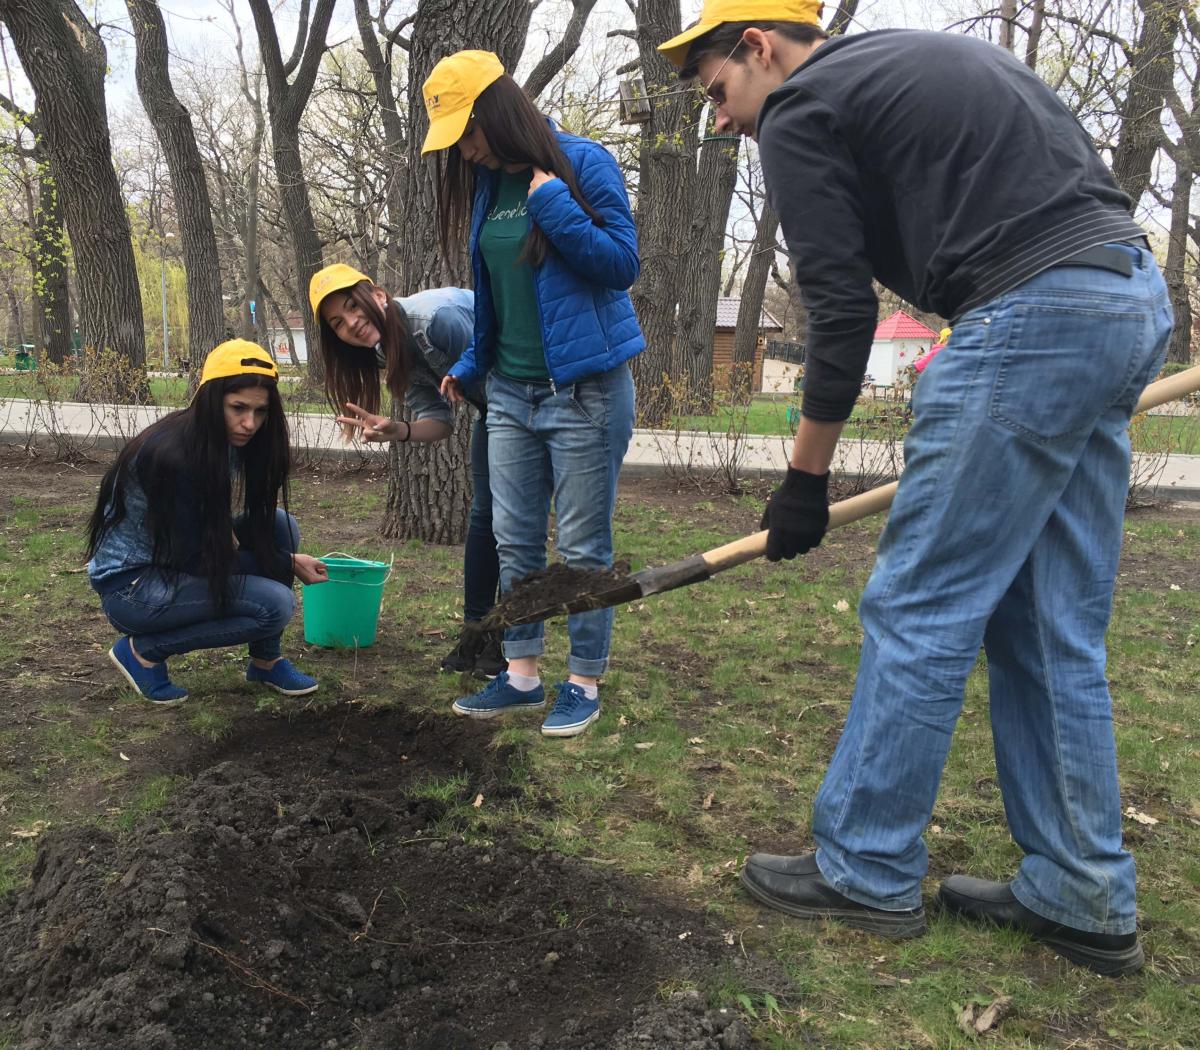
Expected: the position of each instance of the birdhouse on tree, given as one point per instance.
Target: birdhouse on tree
(635, 103)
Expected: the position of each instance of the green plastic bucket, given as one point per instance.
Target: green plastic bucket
(343, 612)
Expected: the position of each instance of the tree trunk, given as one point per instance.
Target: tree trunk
(193, 209)
(51, 285)
(47, 253)
(1037, 22)
(749, 319)
(1175, 269)
(395, 141)
(700, 281)
(842, 17)
(285, 106)
(558, 56)
(270, 301)
(65, 61)
(429, 485)
(15, 321)
(1152, 66)
(664, 205)
(1008, 24)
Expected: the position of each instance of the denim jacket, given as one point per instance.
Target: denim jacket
(125, 547)
(440, 321)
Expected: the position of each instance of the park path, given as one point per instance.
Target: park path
(650, 451)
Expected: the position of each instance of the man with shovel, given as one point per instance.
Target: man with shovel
(942, 167)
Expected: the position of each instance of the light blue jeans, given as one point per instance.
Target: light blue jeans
(167, 615)
(566, 444)
(1005, 532)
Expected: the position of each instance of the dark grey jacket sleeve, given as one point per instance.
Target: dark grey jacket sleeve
(813, 185)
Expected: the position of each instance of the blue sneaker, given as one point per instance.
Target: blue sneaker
(573, 712)
(151, 682)
(283, 678)
(497, 697)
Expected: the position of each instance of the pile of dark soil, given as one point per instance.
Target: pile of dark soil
(308, 888)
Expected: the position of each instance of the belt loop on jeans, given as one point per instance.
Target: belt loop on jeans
(1102, 257)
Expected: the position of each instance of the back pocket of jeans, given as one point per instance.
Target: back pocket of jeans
(1062, 366)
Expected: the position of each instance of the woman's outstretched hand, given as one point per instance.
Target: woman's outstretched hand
(452, 391)
(540, 178)
(309, 569)
(371, 427)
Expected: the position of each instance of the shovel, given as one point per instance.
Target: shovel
(606, 590)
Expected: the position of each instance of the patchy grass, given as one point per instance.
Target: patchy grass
(722, 706)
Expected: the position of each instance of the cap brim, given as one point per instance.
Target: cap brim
(446, 130)
(676, 49)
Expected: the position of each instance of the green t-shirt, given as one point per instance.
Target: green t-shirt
(519, 353)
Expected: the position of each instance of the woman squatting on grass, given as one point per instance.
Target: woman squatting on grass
(415, 339)
(175, 569)
(553, 253)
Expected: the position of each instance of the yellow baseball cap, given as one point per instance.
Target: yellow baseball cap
(331, 279)
(238, 357)
(450, 92)
(716, 12)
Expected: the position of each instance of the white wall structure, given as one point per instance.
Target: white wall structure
(899, 341)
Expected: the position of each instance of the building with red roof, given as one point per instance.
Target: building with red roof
(898, 342)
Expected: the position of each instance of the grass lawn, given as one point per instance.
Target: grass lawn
(722, 706)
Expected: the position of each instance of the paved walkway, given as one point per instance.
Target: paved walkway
(652, 451)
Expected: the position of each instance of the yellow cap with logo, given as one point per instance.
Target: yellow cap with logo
(238, 357)
(717, 12)
(331, 279)
(450, 92)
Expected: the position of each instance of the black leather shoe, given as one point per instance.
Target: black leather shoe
(463, 656)
(1106, 953)
(795, 885)
(490, 661)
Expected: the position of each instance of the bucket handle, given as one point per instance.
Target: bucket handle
(355, 583)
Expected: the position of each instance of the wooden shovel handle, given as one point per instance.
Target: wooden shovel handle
(873, 501)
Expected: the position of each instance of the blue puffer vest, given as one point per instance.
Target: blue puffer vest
(588, 322)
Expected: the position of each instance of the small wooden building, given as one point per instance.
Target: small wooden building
(727, 314)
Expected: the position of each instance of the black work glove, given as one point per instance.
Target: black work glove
(797, 514)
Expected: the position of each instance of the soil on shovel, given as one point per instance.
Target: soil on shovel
(308, 889)
(552, 589)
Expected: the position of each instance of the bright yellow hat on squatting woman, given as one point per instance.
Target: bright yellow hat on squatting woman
(717, 12)
(450, 92)
(238, 357)
(331, 279)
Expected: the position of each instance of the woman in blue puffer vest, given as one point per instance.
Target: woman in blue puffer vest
(553, 253)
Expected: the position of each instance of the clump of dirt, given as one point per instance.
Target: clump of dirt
(556, 589)
(311, 888)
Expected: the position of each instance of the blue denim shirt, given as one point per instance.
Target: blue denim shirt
(441, 321)
(126, 547)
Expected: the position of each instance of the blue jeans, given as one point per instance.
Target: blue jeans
(481, 564)
(168, 615)
(568, 444)
(1005, 532)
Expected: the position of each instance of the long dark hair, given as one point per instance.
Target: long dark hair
(352, 372)
(517, 134)
(193, 443)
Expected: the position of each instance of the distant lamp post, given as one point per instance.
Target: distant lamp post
(162, 269)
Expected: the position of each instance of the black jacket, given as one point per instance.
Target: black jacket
(938, 165)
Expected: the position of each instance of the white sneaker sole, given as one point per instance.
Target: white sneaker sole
(572, 730)
(468, 712)
(286, 692)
